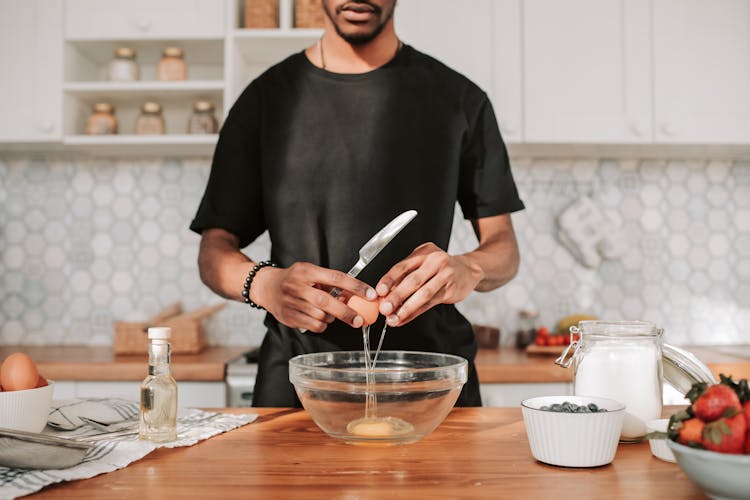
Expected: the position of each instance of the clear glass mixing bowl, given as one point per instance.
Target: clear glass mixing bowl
(414, 392)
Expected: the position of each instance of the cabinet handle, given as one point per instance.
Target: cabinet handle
(143, 24)
(638, 128)
(46, 126)
(507, 128)
(669, 128)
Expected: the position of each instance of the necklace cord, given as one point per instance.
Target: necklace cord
(323, 59)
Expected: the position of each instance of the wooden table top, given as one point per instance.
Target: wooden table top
(476, 452)
(100, 363)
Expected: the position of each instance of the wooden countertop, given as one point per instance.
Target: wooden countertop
(100, 363)
(476, 452)
(509, 365)
(504, 365)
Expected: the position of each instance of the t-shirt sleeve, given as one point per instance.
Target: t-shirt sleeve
(486, 186)
(233, 197)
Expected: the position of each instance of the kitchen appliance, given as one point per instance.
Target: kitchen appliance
(240, 379)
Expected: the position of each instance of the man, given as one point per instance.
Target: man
(324, 149)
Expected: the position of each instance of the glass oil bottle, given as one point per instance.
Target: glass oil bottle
(158, 418)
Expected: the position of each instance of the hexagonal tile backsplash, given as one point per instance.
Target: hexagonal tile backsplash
(84, 242)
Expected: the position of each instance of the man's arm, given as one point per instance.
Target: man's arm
(293, 295)
(429, 276)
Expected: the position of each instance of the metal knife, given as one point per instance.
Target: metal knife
(375, 244)
(378, 242)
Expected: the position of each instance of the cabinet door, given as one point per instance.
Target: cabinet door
(587, 74)
(31, 62)
(702, 71)
(506, 93)
(113, 19)
(485, 52)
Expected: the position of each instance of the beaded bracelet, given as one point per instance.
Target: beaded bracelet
(249, 281)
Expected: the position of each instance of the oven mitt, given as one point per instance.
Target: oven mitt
(589, 235)
(65, 413)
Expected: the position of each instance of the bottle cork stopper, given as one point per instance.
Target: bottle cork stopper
(159, 333)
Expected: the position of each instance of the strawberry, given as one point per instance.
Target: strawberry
(715, 402)
(746, 406)
(727, 434)
(690, 432)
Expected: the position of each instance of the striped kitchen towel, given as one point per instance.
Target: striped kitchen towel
(110, 454)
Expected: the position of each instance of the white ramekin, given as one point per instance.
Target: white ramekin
(573, 439)
(659, 447)
(26, 410)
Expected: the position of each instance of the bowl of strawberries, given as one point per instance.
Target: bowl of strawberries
(711, 438)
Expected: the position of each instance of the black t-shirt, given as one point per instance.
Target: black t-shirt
(323, 160)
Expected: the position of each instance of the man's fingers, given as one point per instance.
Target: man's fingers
(429, 295)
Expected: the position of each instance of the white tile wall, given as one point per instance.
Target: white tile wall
(85, 242)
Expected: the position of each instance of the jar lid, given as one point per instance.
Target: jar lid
(159, 332)
(682, 369)
(151, 107)
(203, 106)
(528, 313)
(172, 52)
(125, 53)
(103, 107)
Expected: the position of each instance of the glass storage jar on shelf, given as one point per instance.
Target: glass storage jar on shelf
(102, 120)
(527, 328)
(123, 67)
(203, 121)
(172, 66)
(150, 121)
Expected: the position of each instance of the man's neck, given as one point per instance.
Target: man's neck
(339, 56)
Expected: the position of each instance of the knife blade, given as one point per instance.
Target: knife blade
(378, 242)
(374, 245)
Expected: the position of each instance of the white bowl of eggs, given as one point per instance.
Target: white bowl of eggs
(25, 397)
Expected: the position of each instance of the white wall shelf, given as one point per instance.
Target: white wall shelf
(169, 145)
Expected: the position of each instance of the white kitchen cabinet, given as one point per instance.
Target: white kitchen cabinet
(513, 394)
(431, 27)
(139, 19)
(31, 62)
(702, 71)
(506, 92)
(587, 71)
(485, 46)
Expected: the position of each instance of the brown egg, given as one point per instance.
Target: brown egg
(18, 372)
(41, 382)
(368, 309)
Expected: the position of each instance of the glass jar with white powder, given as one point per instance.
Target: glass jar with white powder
(620, 360)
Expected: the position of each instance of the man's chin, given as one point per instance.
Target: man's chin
(358, 35)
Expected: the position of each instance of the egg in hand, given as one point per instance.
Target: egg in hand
(368, 309)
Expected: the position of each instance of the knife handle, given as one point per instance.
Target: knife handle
(335, 291)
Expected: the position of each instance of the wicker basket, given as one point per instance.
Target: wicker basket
(188, 336)
(308, 14)
(261, 13)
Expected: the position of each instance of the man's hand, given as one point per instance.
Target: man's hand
(427, 277)
(298, 296)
